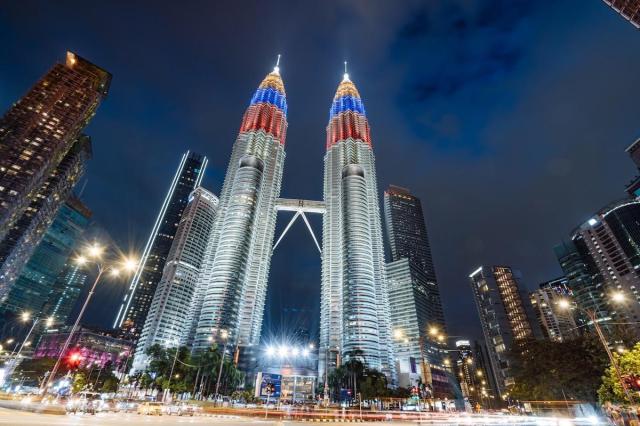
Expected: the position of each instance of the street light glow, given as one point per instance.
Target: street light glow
(433, 331)
(618, 297)
(564, 304)
(130, 264)
(25, 316)
(397, 333)
(95, 251)
(81, 260)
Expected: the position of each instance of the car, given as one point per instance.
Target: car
(127, 405)
(180, 409)
(109, 405)
(150, 408)
(84, 402)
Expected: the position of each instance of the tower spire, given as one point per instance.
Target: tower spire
(276, 69)
(345, 77)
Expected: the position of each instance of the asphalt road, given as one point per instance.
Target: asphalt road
(23, 418)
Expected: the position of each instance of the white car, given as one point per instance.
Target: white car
(180, 409)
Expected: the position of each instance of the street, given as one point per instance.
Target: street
(22, 418)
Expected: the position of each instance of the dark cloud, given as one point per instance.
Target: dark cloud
(508, 118)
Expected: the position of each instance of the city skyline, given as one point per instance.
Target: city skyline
(451, 273)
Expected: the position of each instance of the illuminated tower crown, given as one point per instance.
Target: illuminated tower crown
(347, 117)
(268, 108)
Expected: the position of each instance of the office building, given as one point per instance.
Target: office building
(406, 229)
(26, 233)
(354, 308)
(38, 131)
(232, 286)
(172, 310)
(504, 317)
(66, 292)
(137, 300)
(36, 285)
(556, 323)
(416, 321)
(628, 9)
(610, 244)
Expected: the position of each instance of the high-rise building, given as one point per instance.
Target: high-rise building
(406, 229)
(628, 9)
(40, 129)
(36, 285)
(413, 289)
(26, 233)
(137, 301)
(583, 279)
(172, 309)
(472, 374)
(66, 292)
(556, 323)
(416, 317)
(503, 315)
(633, 187)
(610, 243)
(232, 285)
(355, 313)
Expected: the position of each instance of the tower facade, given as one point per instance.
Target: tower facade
(137, 301)
(406, 229)
(36, 286)
(171, 311)
(232, 286)
(40, 128)
(556, 324)
(24, 235)
(355, 321)
(628, 9)
(503, 316)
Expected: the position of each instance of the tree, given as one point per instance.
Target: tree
(354, 375)
(629, 364)
(79, 382)
(199, 371)
(372, 385)
(547, 370)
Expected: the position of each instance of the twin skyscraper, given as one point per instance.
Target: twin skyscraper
(228, 298)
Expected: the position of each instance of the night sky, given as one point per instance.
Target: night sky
(508, 118)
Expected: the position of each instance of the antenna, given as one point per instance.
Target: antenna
(276, 69)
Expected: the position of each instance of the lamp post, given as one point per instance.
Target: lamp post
(94, 254)
(175, 358)
(223, 335)
(617, 297)
(25, 317)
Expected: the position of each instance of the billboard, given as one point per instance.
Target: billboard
(264, 379)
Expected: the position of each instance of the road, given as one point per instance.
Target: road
(22, 418)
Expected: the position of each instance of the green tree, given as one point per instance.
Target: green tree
(546, 370)
(189, 372)
(79, 382)
(629, 364)
(110, 384)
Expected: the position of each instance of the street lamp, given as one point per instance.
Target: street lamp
(617, 297)
(224, 334)
(94, 255)
(175, 358)
(25, 316)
